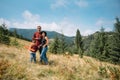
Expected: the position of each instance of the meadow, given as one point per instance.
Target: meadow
(15, 65)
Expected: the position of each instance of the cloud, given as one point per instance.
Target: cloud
(50, 26)
(68, 27)
(25, 25)
(108, 29)
(87, 32)
(58, 3)
(65, 27)
(107, 24)
(100, 22)
(2, 21)
(82, 3)
(28, 16)
(66, 3)
(31, 21)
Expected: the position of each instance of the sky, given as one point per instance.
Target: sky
(63, 16)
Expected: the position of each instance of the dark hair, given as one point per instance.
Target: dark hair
(44, 33)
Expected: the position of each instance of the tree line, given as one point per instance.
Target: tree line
(5, 35)
(101, 45)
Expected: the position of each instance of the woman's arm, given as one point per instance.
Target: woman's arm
(47, 41)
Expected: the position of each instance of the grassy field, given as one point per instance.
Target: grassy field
(15, 65)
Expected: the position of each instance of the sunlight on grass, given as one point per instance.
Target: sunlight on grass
(14, 64)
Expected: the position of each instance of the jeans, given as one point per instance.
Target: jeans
(33, 57)
(43, 55)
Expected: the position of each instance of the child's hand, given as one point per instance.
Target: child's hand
(32, 50)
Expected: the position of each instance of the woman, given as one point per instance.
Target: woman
(44, 42)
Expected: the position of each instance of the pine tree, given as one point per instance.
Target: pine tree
(63, 45)
(79, 43)
(102, 29)
(98, 44)
(114, 46)
(87, 42)
(94, 46)
(15, 42)
(4, 35)
(78, 39)
(54, 47)
(117, 26)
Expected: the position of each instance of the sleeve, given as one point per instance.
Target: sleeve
(30, 47)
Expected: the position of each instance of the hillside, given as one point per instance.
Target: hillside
(15, 65)
(28, 33)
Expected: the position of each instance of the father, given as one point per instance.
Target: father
(38, 37)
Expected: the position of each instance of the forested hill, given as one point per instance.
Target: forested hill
(28, 33)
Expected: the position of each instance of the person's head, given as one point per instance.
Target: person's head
(39, 28)
(44, 33)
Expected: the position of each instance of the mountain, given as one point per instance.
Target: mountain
(28, 33)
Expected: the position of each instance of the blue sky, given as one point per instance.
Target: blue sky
(63, 16)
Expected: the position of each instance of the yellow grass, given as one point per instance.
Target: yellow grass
(61, 67)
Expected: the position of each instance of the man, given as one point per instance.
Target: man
(38, 37)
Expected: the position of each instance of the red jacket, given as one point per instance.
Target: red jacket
(33, 47)
(37, 36)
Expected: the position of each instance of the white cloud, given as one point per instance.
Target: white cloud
(2, 21)
(103, 22)
(87, 32)
(68, 28)
(31, 21)
(107, 24)
(58, 3)
(108, 29)
(64, 27)
(65, 3)
(25, 25)
(30, 17)
(50, 26)
(82, 3)
(99, 22)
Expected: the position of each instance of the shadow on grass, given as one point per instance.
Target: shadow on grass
(53, 63)
(50, 63)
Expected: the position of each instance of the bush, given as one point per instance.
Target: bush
(14, 43)
(103, 72)
(4, 39)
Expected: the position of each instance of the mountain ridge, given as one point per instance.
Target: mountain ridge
(28, 33)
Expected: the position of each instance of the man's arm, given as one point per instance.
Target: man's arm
(34, 36)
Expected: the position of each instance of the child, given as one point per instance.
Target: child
(33, 48)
